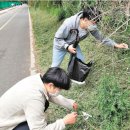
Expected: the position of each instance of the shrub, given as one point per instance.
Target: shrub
(113, 104)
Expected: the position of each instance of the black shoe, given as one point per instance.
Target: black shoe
(90, 63)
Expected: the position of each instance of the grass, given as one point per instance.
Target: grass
(44, 32)
(108, 61)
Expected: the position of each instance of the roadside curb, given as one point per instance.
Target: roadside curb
(32, 56)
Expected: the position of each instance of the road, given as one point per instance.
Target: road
(14, 47)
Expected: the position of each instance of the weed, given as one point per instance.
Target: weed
(113, 103)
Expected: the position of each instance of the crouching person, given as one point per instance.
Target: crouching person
(23, 106)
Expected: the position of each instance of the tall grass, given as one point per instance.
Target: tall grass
(44, 26)
(113, 102)
(107, 60)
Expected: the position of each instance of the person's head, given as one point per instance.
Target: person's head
(90, 16)
(91, 13)
(56, 79)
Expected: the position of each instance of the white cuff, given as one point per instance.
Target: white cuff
(66, 45)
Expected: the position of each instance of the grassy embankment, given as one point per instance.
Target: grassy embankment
(91, 97)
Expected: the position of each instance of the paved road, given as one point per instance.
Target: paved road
(14, 47)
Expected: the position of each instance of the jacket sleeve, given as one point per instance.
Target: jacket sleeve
(34, 113)
(60, 100)
(61, 35)
(104, 40)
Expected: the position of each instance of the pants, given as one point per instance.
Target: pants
(22, 126)
(59, 54)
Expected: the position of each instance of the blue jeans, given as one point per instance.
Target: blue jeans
(59, 54)
(22, 126)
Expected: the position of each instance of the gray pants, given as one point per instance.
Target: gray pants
(22, 126)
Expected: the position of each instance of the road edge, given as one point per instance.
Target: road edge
(32, 56)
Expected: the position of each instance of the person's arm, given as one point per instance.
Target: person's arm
(61, 34)
(65, 102)
(34, 113)
(104, 40)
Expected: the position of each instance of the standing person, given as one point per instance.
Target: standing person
(23, 106)
(85, 23)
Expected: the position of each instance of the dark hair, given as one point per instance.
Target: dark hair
(92, 13)
(58, 77)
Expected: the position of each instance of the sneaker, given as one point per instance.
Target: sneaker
(78, 82)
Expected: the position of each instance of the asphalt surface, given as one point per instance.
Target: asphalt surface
(14, 47)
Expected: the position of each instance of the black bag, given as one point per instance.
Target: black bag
(78, 70)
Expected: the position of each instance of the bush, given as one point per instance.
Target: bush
(58, 12)
(113, 104)
(71, 7)
(61, 14)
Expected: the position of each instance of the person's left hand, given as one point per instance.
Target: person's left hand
(121, 45)
(75, 106)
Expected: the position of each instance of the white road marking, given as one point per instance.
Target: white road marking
(8, 21)
(32, 56)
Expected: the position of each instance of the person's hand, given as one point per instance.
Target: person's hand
(71, 49)
(75, 106)
(121, 45)
(90, 22)
(70, 118)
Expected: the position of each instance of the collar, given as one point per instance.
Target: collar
(43, 89)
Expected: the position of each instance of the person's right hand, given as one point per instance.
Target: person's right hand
(71, 49)
(121, 45)
(70, 118)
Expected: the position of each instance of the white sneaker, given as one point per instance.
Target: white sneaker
(78, 82)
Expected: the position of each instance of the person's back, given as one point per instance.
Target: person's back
(12, 103)
(23, 106)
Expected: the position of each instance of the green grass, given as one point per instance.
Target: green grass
(44, 32)
(108, 61)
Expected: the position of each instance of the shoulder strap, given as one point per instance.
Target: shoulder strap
(77, 38)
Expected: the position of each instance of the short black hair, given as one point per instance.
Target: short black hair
(92, 13)
(58, 77)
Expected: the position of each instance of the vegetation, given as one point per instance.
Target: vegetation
(106, 94)
(113, 104)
